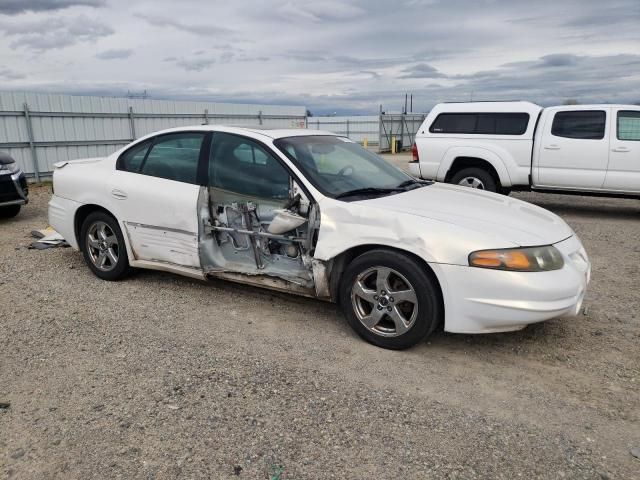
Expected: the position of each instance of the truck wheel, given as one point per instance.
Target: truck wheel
(10, 211)
(475, 178)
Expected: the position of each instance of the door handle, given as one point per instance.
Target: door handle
(620, 149)
(552, 147)
(119, 194)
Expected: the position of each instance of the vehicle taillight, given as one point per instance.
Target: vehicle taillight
(414, 153)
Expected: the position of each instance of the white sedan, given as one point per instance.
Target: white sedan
(311, 213)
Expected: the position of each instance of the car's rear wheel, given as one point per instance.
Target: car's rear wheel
(10, 211)
(475, 178)
(103, 247)
(389, 299)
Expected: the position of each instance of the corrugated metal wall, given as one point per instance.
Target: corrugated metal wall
(48, 128)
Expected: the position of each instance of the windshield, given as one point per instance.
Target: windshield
(339, 167)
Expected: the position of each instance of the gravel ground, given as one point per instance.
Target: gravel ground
(161, 376)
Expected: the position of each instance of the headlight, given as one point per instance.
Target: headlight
(528, 259)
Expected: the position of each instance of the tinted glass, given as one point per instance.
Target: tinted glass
(502, 123)
(240, 165)
(174, 157)
(336, 165)
(629, 125)
(481, 123)
(454, 123)
(131, 160)
(583, 124)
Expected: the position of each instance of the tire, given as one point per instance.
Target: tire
(475, 178)
(102, 245)
(370, 289)
(10, 211)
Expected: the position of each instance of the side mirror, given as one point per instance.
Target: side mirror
(284, 222)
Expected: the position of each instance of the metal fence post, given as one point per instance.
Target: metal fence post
(132, 125)
(32, 147)
(347, 128)
(260, 117)
(206, 116)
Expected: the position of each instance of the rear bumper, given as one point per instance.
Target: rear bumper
(62, 213)
(414, 169)
(484, 301)
(13, 190)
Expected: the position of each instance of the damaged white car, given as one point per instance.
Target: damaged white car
(312, 213)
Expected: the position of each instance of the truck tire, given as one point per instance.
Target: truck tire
(475, 178)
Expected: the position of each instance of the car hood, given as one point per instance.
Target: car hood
(505, 218)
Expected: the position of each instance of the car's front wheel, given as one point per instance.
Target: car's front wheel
(103, 247)
(389, 299)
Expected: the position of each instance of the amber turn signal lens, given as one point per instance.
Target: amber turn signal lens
(529, 259)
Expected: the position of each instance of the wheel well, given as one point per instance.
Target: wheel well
(339, 264)
(461, 163)
(82, 213)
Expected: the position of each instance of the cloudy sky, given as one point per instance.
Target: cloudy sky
(330, 55)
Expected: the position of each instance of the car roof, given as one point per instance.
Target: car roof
(481, 107)
(252, 131)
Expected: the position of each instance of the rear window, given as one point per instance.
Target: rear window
(581, 124)
(629, 125)
(481, 123)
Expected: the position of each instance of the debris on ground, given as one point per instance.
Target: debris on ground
(635, 452)
(47, 238)
(4, 406)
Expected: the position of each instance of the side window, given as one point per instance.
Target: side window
(454, 123)
(131, 160)
(582, 124)
(174, 157)
(629, 125)
(498, 123)
(502, 123)
(240, 165)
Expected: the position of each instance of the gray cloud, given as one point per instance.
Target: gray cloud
(114, 54)
(8, 74)
(195, 64)
(53, 33)
(205, 29)
(12, 7)
(422, 70)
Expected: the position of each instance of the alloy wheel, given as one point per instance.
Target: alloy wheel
(472, 182)
(384, 301)
(102, 246)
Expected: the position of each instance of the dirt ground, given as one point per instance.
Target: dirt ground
(161, 376)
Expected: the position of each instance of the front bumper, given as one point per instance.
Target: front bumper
(481, 300)
(13, 189)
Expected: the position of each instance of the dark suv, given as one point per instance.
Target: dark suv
(13, 187)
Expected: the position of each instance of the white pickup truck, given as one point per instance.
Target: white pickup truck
(504, 146)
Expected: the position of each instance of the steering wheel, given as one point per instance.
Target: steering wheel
(343, 171)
